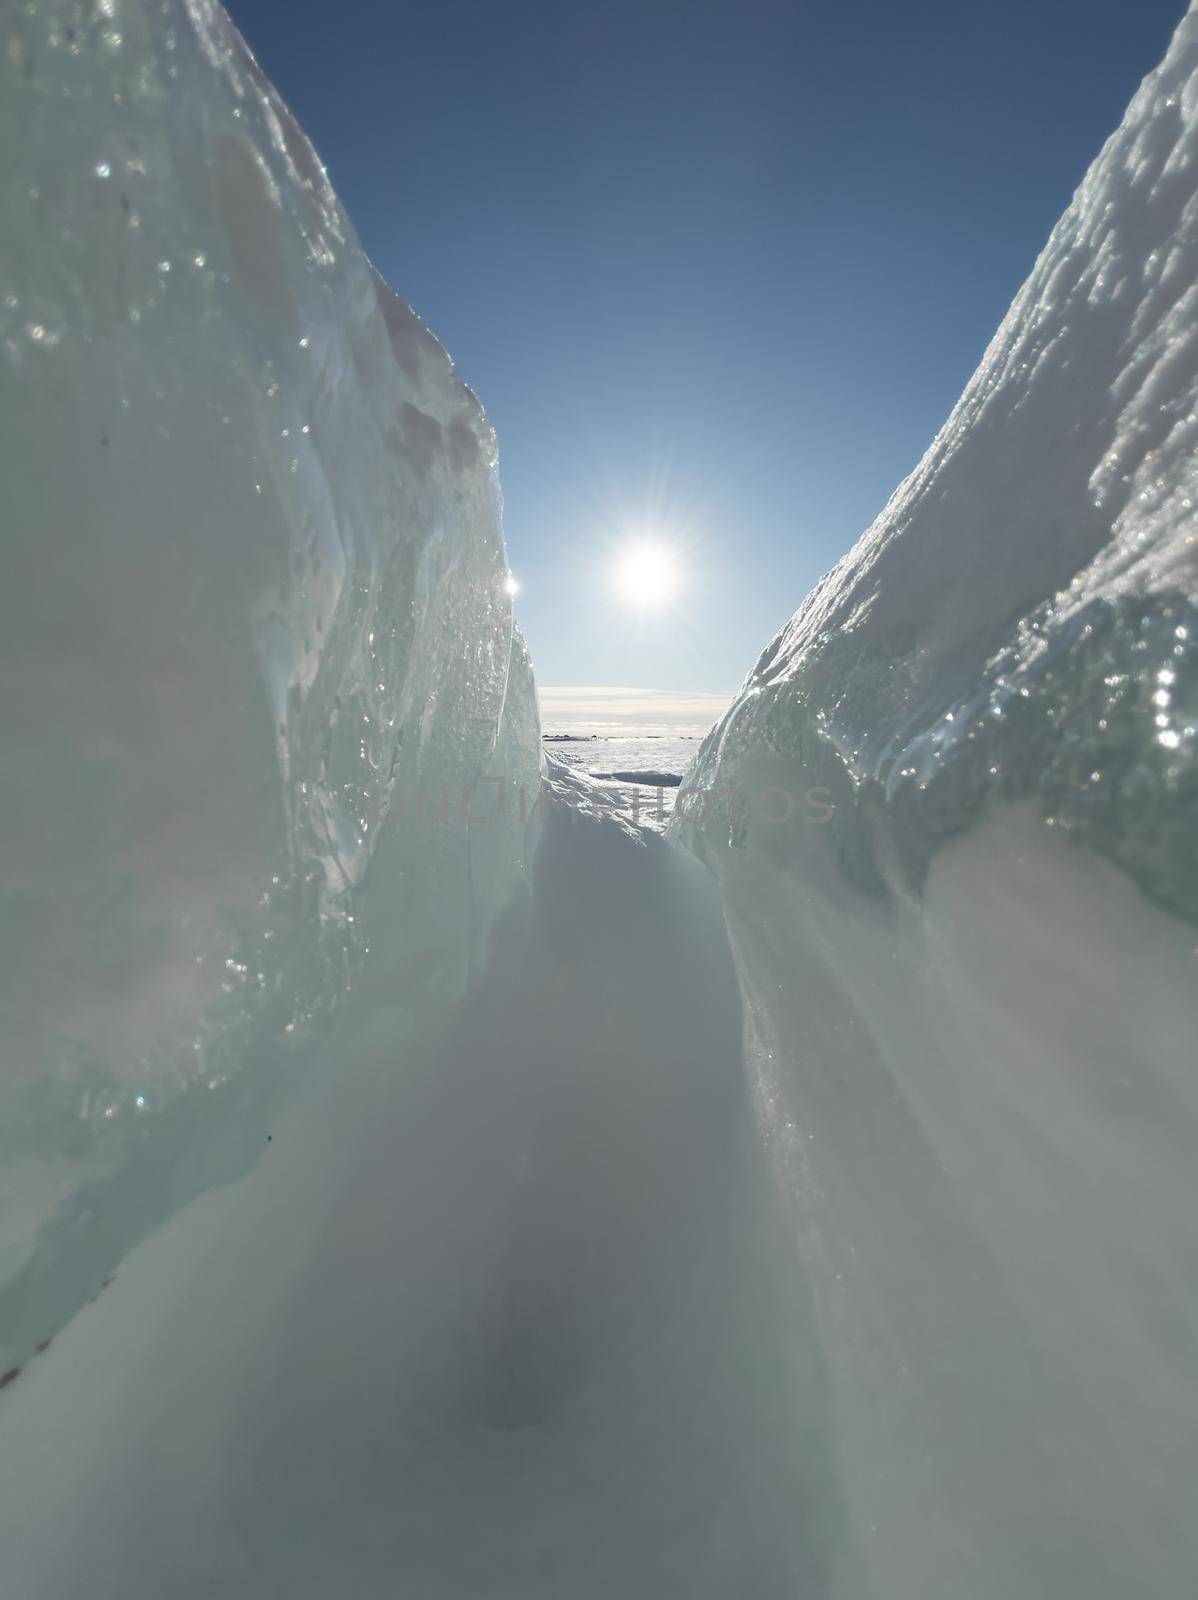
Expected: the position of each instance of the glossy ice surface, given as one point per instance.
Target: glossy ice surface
(256, 646)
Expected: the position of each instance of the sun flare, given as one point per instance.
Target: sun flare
(646, 575)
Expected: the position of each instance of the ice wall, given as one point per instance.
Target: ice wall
(258, 660)
(952, 814)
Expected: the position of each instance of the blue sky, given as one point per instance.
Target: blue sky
(715, 267)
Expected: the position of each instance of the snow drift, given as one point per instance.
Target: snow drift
(524, 1209)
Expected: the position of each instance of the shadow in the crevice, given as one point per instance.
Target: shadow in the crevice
(507, 1314)
(603, 1051)
(640, 1311)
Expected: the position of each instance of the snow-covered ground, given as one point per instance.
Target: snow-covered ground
(504, 1199)
(635, 743)
(642, 775)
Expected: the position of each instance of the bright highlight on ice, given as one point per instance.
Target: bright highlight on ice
(646, 576)
(511, 585)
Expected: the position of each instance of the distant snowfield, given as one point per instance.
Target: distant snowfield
(634, 743)
(639, 775)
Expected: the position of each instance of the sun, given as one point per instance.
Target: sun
(646, 575)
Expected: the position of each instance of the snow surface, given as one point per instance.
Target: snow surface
(639, 776)
(524, 1209)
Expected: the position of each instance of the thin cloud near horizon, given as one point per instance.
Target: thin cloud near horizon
(594, 707)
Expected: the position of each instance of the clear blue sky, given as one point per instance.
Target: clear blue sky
(720, 264)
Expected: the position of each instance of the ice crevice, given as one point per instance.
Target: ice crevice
(498, 1313)
(416, 1180)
